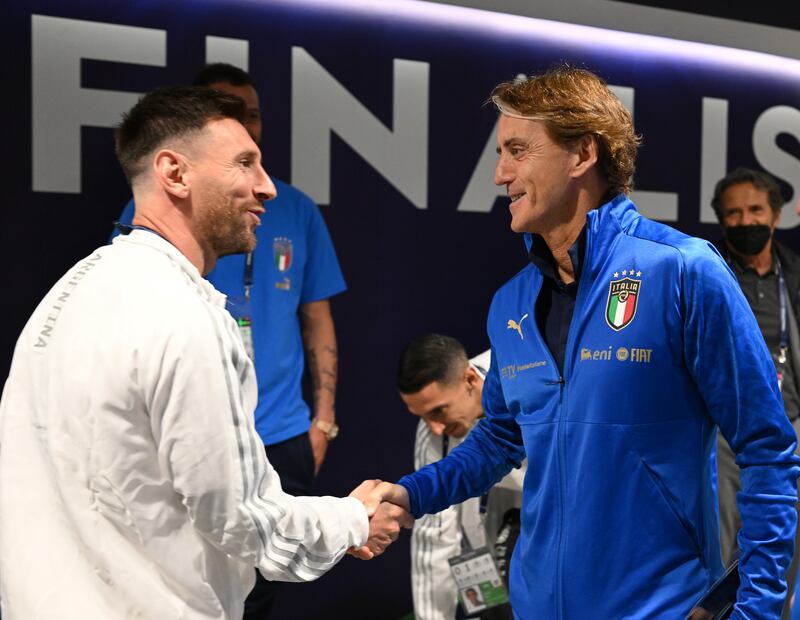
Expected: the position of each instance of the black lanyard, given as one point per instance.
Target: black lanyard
(465, 542)
(127, 229)
(784, 341)
(248, 275)
(783, 344)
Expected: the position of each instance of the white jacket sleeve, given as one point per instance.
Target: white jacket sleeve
(434, 539)
(201, 393)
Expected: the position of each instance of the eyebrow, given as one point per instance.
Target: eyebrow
(512, 142)
(249, 153)
(755, 205)
(435, 409)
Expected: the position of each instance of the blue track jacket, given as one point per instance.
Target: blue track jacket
(619, 515)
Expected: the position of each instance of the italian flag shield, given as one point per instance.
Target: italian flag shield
(282, 253)
(623, 297)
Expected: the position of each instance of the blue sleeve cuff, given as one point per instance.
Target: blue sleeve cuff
(410, 485)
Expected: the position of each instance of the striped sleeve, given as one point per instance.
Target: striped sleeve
(202, 403)
(434, 539)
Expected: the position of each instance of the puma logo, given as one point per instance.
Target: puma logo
(512, 324)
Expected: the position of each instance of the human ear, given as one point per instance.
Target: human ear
(169, 168)
(585, 153)
(471, 378)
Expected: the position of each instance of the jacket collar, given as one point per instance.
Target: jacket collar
(158, 243)
(603, 226)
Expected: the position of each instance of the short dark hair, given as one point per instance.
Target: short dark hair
(169, 113)
(760, 180)
(430, 358)
(222, 72)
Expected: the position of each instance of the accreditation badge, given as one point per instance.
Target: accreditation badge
(239, 307)
(479, 584)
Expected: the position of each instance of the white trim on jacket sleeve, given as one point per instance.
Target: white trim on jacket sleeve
(434, 539)
(209, 439)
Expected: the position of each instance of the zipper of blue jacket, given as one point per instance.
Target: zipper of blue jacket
(561, 465)
(561, 436)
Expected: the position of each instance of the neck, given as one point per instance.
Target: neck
(560, 239)
(761, 262)
(560, 242)
(562, 235)
(170, 224)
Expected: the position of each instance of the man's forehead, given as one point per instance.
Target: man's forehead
(513, 129)
(222, 137)
(745, 192)
(228, 129)
(430, 397)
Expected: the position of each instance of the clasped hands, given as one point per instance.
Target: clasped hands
(387, 507)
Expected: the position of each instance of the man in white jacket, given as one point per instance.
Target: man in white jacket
(130, 465)
(443, 388)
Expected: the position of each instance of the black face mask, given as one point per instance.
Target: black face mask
(748, 240)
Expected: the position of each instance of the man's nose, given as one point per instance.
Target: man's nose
(264, 188)
(437, 428)
(502, 173)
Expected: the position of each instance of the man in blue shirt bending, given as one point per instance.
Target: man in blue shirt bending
(615, 354)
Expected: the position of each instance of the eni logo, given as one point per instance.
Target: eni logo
(512, 324)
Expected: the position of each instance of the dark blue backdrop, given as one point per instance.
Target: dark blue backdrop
(408, 269)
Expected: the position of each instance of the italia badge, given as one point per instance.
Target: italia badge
(282, 252)
(623, 297)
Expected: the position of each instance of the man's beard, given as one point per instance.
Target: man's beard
(225, 228)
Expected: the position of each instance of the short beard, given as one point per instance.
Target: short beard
(224, 229)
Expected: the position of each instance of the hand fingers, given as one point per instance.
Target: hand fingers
(406, 520)
(377, 496)
(364, 489)
(362, 553)
(378, 544)
(395, 494)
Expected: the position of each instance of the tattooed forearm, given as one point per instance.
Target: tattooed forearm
(322, 356)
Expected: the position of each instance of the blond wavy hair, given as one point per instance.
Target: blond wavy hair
(572, 103)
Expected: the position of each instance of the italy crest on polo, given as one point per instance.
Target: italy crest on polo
(623, 297)
(282, 252)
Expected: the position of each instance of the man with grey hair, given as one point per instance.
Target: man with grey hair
(615, 353)
(748, 206)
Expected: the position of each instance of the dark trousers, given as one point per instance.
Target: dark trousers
(294, 462)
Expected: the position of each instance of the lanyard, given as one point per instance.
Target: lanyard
(783, 344)
(248, 275)
(784, 341)
(465, 543)
(127, 229)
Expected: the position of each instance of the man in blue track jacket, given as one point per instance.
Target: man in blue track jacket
(615, 352)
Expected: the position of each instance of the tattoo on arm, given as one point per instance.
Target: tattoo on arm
(323, 363)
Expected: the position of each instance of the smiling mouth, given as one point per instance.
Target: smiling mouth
(256, 217)
(515, 197)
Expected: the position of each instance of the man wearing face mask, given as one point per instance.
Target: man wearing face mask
(748, 205)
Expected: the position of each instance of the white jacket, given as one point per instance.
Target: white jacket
(438, 537)
(130, 471)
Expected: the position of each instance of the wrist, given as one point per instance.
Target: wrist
(329, 428)
(325, 412)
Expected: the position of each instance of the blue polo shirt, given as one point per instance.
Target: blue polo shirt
(294, 263)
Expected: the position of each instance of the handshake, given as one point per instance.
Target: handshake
(387, 507)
